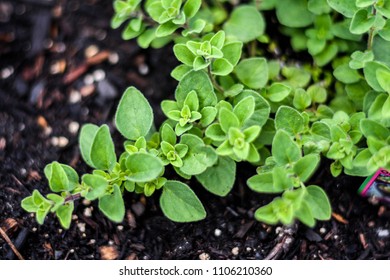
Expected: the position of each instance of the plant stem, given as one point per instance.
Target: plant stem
(371, 33)
(72, 197)
(212, 78)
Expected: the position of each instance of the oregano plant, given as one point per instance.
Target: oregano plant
(239, 100)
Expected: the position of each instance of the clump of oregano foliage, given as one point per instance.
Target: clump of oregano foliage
(236, 101)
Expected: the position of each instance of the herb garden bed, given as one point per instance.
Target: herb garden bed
(63, 66)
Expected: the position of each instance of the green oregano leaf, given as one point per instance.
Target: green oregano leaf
(219, 178)
(284, 149)
(318, 202)
(253, 72)
(112, 205)
(180, 204)
(64, 214)
(134, 116)
(143, 167)
(242, 17)
(290, 120)
(87, 134)
(103, 151)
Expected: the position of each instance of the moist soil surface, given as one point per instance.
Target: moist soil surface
(62, 66)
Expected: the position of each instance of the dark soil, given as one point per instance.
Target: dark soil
(62, 66)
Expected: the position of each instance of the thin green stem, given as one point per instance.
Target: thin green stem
(371, 33)
(212, 78)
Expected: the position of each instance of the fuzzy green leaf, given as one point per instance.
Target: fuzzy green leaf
(221, 67)
(215, 132)
(180, 204)
(383, 77)
(253, 72)
(201, 84)
(103, 151)
(293, 13)
(228, 119)
(134, 116)
(345, 7)
(305, 167)
(242, 17)
(199, 156)
(370, 73)
(244, 109)
(113, 206)
(290, 120)
(232, 52)
(262, 108)
(267, 215)
(277, 92)
(318, 202)
(361, 22)
(264, 183)
(87, 134)
(208, 115)
(183, 54)
(374, 129)
(98, 185)
(191, 7)
(346, 75)
(143, 167)
(168, 134)
(284, 149)
(64, 214)
(219, 178)
(58, 180)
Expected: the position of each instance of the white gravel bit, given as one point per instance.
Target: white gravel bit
(86, 202)
(383, 232)
(235, 251)
(120, 227)
(322, 230)
(88, 79)
(59, 141)
(143, 69)
(113, 58)
(99, 75)
(92, 241)
(204, 256)
(88, 212)
(110, 242)
(74, 97)
(81, 227)
(73, 127)
(248, 249)
(74, 217)
(91, 51)
(217, 232)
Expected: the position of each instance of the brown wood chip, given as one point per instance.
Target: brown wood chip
(339, 218)
(108, 252)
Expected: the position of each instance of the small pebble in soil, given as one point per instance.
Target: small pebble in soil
(34, 229)
(143, 69)
(88, 79)
(87, 90)
(335, 237)
(91, 242)
(46, 235)
(110, 242)
(81, 227)
(47, 131)
(73, 127)
(278, 230)
(371, 224)
(74, 97)
(235, 251)
(88, 212)
(217, 232)
(383, 232)
(86, 202)
(6, 72)
(3, 143)
(113, 58)
(91, 51)
(99, 75)
(248, 249)
(74, 217)
(322, 230)
(60, 230)
(108, 252)
(59, 141)
(120, 227)
(204, 256)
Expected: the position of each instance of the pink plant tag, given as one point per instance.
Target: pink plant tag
(377, 186)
